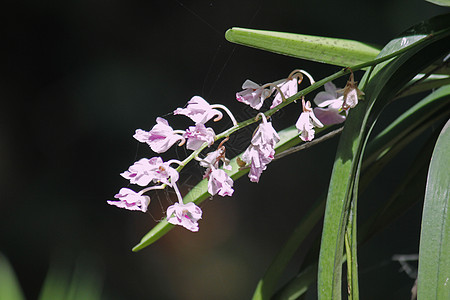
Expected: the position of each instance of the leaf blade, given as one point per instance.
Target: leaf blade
(434, 259)
(334, 51)
(440, 2)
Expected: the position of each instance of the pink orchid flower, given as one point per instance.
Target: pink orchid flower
(185, 215)
(198, 135)
(253, 94)
(199, 110)
(160, 138)
(154, 169)
(306, 122)
(131, 200)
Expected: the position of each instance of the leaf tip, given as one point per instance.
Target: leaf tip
(229, 34)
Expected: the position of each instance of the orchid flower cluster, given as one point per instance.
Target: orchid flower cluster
(332, 107)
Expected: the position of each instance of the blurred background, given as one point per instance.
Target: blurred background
(77, 79)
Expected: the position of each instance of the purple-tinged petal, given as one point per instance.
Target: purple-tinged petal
(331, 89)
(199, 110)
(261, 150)
(186, 215)
(160, 138)
(265, 135)
(130, 200)
(220, 183)
(329, 116)
(146, 170)
(305, 127)
(253, 94)
(329, 96)
(288, 88)
(197, 135)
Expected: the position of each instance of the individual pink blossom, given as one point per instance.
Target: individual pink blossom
(265, 136)
(253, 94)
(199, 110)
(154, 169)
(329, 104)
(220, 183)
(160, 138)
(288, 87)
(261, 150)
(212, 160)
(131, 200)
(258, 161)
(306, 122)
(185, 215)
(351, 93)
(198, 135)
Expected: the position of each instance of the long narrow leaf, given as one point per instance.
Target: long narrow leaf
(387, 80)
(434, 253)
(340, 52)
(403, 198)
(440, 2)
(407, 123)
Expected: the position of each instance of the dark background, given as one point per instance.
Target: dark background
(78, 77)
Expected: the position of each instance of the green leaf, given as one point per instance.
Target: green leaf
(340, 52)
(387, 79)
(432, 82)
(434, 253)
(9, 285)
(410, 123)
(440, 2)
